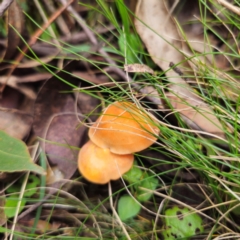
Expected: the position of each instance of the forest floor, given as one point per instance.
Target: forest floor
(170, 68)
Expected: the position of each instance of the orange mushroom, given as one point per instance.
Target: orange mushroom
(99, 165)
(123, 128)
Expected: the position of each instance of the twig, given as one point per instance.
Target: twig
(45, 20)
(34, 39)
(4, 6)
(115, 213)
(81, 22)
(229, 6)
(59, 21)
(157, 218)
(176, 69)
(19, 204)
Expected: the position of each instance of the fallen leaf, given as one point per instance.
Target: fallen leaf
(194, 111)
(57, 124)
(15, 113)
(11, 98)
(160, 35)
(135, 67)
(12, 82)
(15, 19)
(15, 122)
(14, 156)
(53, 175)
(41, 226)
(88, 105)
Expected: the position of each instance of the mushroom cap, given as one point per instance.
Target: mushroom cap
(123, 128)
(99, 165)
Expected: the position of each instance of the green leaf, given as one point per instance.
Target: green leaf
(141, 179)
(77, 48)
(33, 182)
(134, 175)
(150, 183)
(31, 188)
(11, 205)
(181, 223)
(131, 43)
(12, 201)
(46, 35)
(124, 15)
(127, 207)
(14, 156)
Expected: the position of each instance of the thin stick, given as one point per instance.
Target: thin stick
(229, 6)
(45, 20)
(157, 217)
(60, 21)
(19, 204)
(115, 213)
(34, 39)
(127, 75)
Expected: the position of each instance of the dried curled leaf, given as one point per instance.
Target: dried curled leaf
(139, 68)
(15, 122)
(160, 35)
(196, 114)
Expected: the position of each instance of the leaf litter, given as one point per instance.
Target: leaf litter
(59, 115)
(56, 123)
(164, 38)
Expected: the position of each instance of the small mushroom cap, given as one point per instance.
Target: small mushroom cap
(123, 128)
(99, 165)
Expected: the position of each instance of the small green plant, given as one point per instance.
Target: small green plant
(128, 207)
(181, 223)
(13, 199)
(139, 180)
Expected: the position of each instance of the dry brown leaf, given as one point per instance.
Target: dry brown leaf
(14, 122)
(55, 120)
(15, 19)
(200, 114)
(12, 82)
(53, 175)
(42, 226)
(88, 105)
(160, 35)
(148, 90)
(11, 98)
(15, 113)
(141, 68)
(188, 15)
